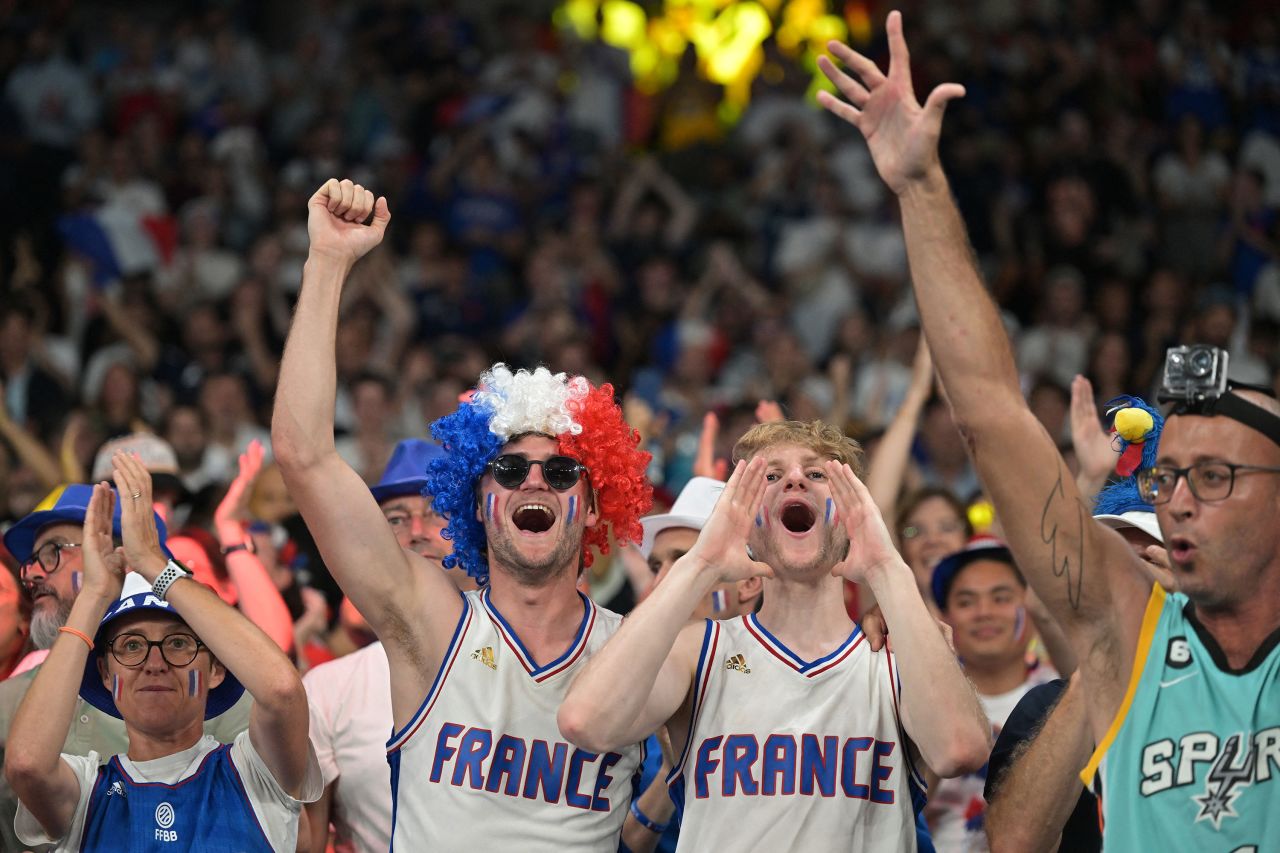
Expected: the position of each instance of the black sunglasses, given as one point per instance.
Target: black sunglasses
(561, 472)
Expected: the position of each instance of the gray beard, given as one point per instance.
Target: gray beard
(46, 621)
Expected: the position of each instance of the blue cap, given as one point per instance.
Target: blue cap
(64, 504)
(978, 548)
(136, 597)
(406, 473)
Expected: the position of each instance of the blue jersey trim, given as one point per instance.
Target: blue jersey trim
(710, 639)
(394, 760)
(801, 664)
(533, 669)
(440, 672)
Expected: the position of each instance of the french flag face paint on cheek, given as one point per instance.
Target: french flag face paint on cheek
(195, 682)
(489, 502)
(1020, 624)
(77, 580)
(573, 509)
(115, 688)
(832, 514)
(719, 601)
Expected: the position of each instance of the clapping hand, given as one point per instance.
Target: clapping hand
(104, 562)
(1094, 449)
(231, 510)
(142, 551)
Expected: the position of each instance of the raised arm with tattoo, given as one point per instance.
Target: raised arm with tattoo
(1071, 563)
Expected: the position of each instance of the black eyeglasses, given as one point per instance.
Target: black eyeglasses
(1209, 481)
(561, 472)
(176, 649)
(48, 555)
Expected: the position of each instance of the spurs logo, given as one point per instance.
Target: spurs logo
(1225, 782)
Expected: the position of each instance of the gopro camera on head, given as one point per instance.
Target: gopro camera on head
(1193, 374)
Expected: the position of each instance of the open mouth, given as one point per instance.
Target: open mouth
(533, 518)
(1180, 549)
(798, 517)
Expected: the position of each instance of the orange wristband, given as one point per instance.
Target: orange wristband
(77, 633)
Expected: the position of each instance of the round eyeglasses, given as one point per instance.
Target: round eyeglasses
(176, 649)
(561, 472)
(48, 555)
(1209, 481)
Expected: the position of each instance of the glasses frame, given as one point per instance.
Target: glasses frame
(25, 566)
(1157, 498)
(576, 468)
(155, 644)
(915, 531)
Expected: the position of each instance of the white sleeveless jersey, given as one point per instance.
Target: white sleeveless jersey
(787, 754)
(482, 765)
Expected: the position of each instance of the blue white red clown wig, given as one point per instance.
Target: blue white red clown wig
(588, 426)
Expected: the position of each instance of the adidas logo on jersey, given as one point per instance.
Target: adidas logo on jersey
(485, 656)
(737, 663)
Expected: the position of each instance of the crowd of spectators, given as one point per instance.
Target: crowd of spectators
(1118, 167)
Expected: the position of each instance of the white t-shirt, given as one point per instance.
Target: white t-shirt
(276, 811)
(350, 702)
(956, 806)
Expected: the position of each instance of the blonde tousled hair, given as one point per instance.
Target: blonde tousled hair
(820, 437)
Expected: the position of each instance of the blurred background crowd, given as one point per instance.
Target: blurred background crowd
(1118, 166)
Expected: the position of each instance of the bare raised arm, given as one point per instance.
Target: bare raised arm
(641, 677)
(45, 784)
(278, 722)
(1079, 569)
(409, 603)
(888, 468)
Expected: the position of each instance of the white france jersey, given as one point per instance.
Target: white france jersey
(482, 765)
(787, 754)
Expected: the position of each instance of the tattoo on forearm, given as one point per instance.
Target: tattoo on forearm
(1070, 562)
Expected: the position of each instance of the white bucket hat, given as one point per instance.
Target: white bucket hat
(691, 509)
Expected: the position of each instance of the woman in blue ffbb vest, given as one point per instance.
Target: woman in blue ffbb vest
(161, 652)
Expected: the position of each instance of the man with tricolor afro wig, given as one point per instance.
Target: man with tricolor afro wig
(537, 468)
(587, 426)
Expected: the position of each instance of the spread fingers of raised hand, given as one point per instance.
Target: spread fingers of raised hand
(867, 70)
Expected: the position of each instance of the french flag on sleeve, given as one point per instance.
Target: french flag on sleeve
(119, 241)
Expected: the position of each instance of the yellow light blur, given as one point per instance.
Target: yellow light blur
(578, 15)
(728, 38)
(623, 25)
